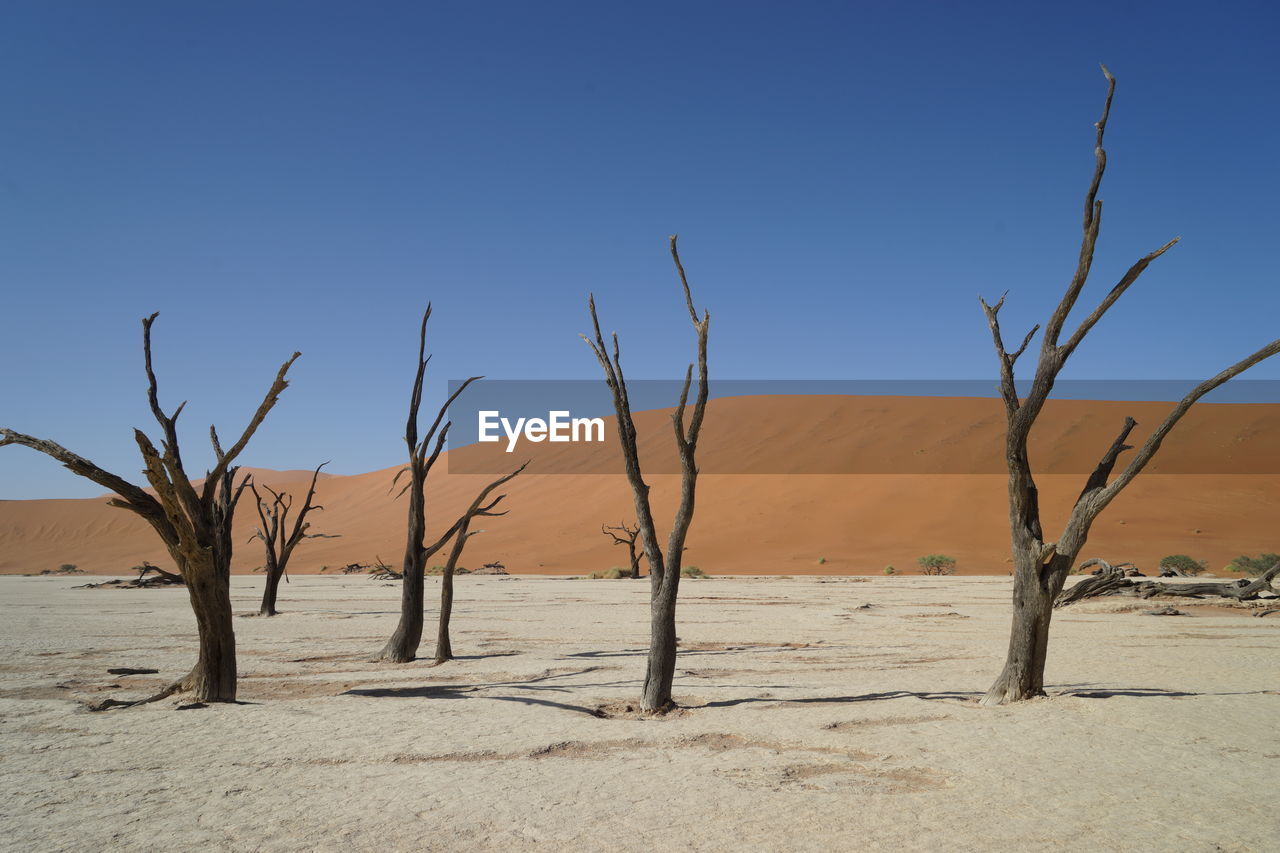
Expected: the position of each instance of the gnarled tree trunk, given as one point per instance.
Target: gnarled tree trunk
(1040, 567)
(195, 525)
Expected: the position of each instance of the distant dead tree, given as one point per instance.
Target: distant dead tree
(148, 576)
(194, 523)
(463, 532)
(624, 535)
(1041, 567)
(402, 647)
(278, 538)
(664, 571)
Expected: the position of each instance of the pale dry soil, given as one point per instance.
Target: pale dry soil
(816, 714)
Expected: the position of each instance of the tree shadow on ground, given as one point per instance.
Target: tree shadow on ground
(506, 654)
(953, 696)
(683, 652)
(1087, 691)
(465, 691)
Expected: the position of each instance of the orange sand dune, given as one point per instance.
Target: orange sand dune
(911, 476)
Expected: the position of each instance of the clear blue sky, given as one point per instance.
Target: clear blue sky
(846, 178)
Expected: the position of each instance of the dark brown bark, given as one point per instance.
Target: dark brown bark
(279, 539)
(624, 535)
(1040, 567)
(195, 525)
(1112, 581)
(664, 569)
(402, 647)
(461, 533)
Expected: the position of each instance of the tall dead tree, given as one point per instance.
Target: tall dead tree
(194, 523)
(278, 538)
(423, 453)
(1040, 567)
(404, 642)
(664, 570)
(461, 533)
(624, 535)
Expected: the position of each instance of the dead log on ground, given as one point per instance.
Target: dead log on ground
(1113, 582)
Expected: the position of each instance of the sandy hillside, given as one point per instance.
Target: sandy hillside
(819, 714)
(908, 476)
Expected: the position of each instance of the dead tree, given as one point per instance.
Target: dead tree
(1113, 581)
(1041, 567)
(278, 538)
(194, 523)
(423, 453)
(664, 570)
(162, 578)
(463, 532)
(379, 571)
(148, 576)
(624, 535)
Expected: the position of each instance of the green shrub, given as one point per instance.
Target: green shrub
(1254, 565)
(890, 570)
(64, 569)
(822, 561)
(1183, 563)
(693, 572)
(614, 573)
(937, 564)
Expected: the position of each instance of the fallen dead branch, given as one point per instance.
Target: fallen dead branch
(383, 572)
(148, 576)
(1112, 581)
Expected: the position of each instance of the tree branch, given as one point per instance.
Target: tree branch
(1153, 443)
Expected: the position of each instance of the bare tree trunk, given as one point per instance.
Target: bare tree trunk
(1040, 567)
(404, 642)
(270, 590)
(1034, 590)
(214, 677)
(195, 525)
(660, 670)
(461, 534)
(664, 570)
(444, 648)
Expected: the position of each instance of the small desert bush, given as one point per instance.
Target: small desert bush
(439, 570)
(889, 570)
(612, 573)
(64, 569)
(822, 561)
(693, 572)
(1253, 565)
(937, 564)
(1182, 562)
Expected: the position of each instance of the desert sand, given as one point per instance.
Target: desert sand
(818, 714)
(907, 477)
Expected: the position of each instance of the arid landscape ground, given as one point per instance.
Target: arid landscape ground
(818, 713)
